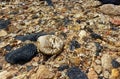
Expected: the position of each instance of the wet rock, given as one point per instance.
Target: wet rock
(76, 73)
(21, 55)
(115, 64)
(50, 44)
(3, 33)
(116, 2)
(110, 9)
(31, 37)
(63, 67)
(74, 44)
(106, 61)
(4, 23)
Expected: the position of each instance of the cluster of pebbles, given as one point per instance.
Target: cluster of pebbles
(60, 39)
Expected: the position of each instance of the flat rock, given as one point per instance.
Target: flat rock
(110, 9)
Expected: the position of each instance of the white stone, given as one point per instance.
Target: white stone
(50, 44)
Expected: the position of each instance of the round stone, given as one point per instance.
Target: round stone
(50, 44)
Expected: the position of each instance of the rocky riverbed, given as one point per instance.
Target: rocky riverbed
(60, 39)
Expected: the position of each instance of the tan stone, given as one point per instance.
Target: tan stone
(115, 73)
(92, 74)
(43, 73)
(6, 74)
(3, 33)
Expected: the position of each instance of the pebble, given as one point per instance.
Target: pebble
(97, 61)
(3, 33)
(115, 64)
(76, 73)
(82, 34)
(106, 74)
(63, 67)
(74, 44)
(8, 47)
(98, 68)
(29, 68)
(4, 23)
(98, 48)
(50, 44)
(110, 9)
(115, 73)
(106, 61)
(92, 74)
(21, 55)
(95, 36)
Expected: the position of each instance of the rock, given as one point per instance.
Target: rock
(110, 9)
(98, 62)
(4, 23)
(115, 74)
(49, 2)
(74, 44)
(76, 73)
(6, 74)
(98, 68)
(21, 55)
(115, 64)
(75, 61)
(43, 73)
(95, 36)
(82, 34)
(98, 48)
(31, 37)
(106, 74)
(3, 33)
(8, 47)
(115, 21)
(116, 2)
(92, 74)
(63, 67)
(106, 61)
(50, 44)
